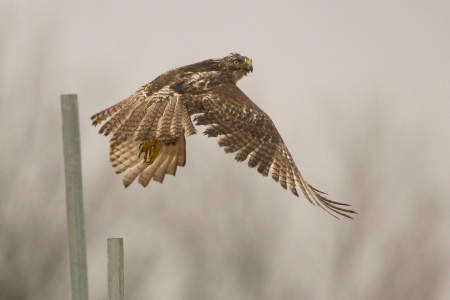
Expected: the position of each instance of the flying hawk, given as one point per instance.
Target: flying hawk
(148, 128)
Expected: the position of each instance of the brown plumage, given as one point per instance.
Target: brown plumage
(148, 128)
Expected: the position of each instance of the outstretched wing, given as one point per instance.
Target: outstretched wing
(162, 117)
(246, 130)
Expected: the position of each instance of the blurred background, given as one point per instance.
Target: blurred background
(359, 91)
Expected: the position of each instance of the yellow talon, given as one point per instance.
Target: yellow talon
(150, 150)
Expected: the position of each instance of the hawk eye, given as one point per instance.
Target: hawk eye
(236, 62)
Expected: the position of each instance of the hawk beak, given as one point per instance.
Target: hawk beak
(248, 65)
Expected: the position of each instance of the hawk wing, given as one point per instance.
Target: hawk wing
(246, 130)
(160, 116)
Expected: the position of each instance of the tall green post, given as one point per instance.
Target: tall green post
(74, 197)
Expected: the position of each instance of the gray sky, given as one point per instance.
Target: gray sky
(359, 91)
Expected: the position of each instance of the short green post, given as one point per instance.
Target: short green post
(115, 269)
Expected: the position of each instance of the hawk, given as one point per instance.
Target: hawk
(148, 129)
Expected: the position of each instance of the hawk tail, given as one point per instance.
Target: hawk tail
(169, 158)
(125, 158)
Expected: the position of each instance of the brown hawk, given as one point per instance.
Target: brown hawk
(148, 128)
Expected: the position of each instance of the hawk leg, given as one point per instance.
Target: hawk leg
(150, 150)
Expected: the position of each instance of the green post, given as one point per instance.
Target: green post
(115, 269)
(74, 197)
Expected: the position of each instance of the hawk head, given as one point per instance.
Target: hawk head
(238, 65)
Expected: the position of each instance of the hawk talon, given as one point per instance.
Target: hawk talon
(150, 150)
